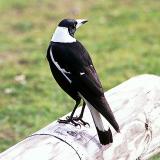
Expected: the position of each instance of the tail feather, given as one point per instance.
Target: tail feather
(102, 106)
(104, 136)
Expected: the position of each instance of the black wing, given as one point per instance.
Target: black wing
(60, 78)
(74, 58)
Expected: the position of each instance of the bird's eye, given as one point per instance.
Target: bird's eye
(75, 25)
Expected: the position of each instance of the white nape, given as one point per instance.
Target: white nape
(62, 35)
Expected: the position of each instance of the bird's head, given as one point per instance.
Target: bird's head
(66, 29)
(72, 24)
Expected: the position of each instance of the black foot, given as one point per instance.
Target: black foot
(69, 120)
(81, 121)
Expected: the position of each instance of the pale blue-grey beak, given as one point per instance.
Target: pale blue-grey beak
(80, 22)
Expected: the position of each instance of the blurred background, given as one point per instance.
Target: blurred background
(122, 37)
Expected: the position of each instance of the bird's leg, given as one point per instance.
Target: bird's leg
(79, 118)
(69, 119)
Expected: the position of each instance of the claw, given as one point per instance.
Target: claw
(78, 125)
(69, 120)
(85, 123)
(74, 121)
(82, 122)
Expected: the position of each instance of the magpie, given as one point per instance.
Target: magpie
(73, 69)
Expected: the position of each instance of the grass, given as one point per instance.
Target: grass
(122, 37)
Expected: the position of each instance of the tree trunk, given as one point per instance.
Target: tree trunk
(136, 106)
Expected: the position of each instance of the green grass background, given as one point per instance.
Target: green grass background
(122, 37)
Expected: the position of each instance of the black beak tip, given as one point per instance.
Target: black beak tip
(85, 21)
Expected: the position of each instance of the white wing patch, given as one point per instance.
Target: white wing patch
(63, 71)
(82, 73)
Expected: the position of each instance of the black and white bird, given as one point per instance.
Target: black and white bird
(72, 68)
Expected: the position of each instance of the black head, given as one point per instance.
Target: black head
(72, 24)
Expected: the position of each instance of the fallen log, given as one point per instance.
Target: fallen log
(136, 106)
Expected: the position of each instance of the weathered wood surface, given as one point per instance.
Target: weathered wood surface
(136, 105)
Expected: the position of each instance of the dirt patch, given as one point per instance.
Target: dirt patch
(8, 57)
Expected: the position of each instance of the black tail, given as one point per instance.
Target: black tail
(102, 106)
(105, 137)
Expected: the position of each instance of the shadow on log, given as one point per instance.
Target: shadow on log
(136, 106)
